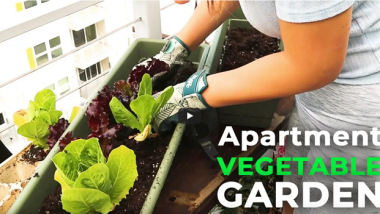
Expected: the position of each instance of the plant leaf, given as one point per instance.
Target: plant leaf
(143, 135)
(95, 177)
(44, 98)
(123, 172)
(32, 108)
(91, 153)
(49, 104)
(49, 118)
(79, 201)
(67, 164)
(37, 131)
(20, 117)
(143, 107)
(61, 179)
(75, 147)
(82, 167)
(145, 85)
(162, 100)
(122, 115)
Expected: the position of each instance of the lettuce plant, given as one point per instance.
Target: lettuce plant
(99, 120)
(56, 131)
(145, 106)
(89, 182)
(41, 114)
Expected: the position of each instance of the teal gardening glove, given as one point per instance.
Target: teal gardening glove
(186, 95)
(174, 53)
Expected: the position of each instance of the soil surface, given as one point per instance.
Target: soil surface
(246, 45)
(183, 73)
(35, 154)
(149, 155)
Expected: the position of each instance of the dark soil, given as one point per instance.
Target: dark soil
(149, 155)
(35, 154)
(243, 46)
(183, 73)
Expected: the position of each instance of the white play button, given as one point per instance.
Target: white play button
(189, 116)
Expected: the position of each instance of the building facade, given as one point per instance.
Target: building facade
(40, 46)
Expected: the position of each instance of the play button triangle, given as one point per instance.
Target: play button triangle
(189, 116)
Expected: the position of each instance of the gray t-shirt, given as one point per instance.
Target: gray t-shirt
(362, 65)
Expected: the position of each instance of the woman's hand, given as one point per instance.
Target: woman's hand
(186, 95)
(174, 53)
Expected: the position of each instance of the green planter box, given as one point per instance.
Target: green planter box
(32, 197)
(257, 115)
(238, 14)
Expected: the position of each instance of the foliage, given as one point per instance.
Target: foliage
(103, 126)
(56, 131)
(153, 67)
(89, 182)
(145, 106)
(20, 117)
(41, 114)
(99, 121)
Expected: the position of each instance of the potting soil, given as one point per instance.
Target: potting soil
(34, 154)
(243, 46)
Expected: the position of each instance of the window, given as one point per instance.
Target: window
(51, 87)
(89, 73)
(48, 50)
(85, 35)
(29, 4)
(64, 85)
(2, 120)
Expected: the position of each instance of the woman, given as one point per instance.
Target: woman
(331, 63)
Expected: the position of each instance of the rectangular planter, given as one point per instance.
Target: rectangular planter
(32, 197)
(258, 114)
(238, 14)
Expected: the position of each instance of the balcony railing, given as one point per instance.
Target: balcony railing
(147, 24)
(86, 17)
(92, 54)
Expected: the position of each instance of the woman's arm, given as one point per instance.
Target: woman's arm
(313, 57)
(202, 23)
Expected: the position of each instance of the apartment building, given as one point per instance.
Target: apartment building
(40, 46)
(38, 49)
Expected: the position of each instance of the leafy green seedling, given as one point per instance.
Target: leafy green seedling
(89, 183)
(41, 114)
(145, 106)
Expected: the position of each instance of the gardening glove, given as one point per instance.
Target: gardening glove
(174, 53)
(185, 95)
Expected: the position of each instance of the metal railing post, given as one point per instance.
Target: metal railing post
(150, 13)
